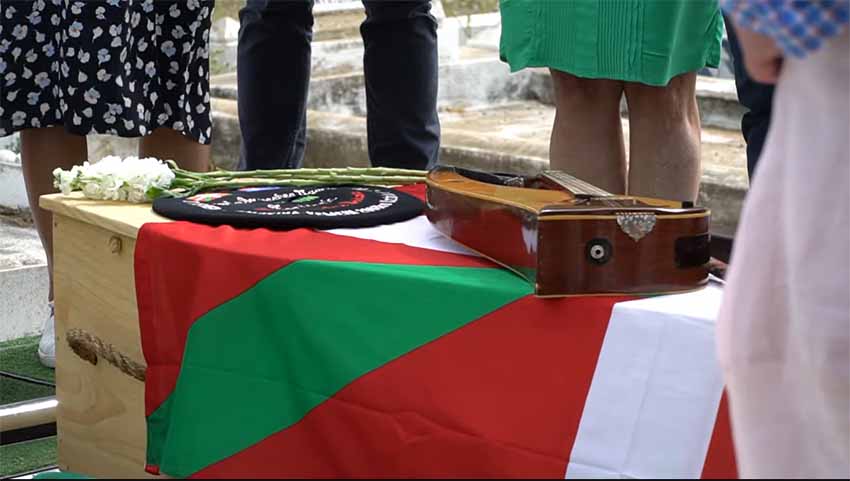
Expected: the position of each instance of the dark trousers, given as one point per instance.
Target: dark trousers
(400, 65)
(757, 97)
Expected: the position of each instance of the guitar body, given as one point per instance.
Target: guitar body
(569, 238)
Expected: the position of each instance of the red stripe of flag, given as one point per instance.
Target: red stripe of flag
(183, 270)
(500, 397)
(720, 461)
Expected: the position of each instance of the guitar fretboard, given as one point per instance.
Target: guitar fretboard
(574, 184)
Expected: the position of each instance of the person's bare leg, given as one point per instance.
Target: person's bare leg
(664, 139)
(165, 143)
(42, 151)
(587, 138)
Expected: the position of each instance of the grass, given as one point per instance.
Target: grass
(23, 457)
(20, 356)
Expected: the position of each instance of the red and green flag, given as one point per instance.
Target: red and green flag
(315, 354)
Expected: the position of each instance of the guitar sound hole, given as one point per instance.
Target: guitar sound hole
(599, 251)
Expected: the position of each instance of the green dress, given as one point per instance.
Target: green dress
(646, 41)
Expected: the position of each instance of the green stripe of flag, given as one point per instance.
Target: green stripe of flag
(260, 362)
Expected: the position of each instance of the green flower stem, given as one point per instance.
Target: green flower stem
(304, 173)
(186, 189)
(217, 184)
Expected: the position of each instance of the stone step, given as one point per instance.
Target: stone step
(339, 24)
(13, 194)
(478, 78)
(23, 305)
(510, 137)
(23, 279)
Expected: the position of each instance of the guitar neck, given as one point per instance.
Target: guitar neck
(574, 185)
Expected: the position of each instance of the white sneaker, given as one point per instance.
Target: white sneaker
(47, 344)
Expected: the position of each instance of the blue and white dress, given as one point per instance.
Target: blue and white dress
(119, 67)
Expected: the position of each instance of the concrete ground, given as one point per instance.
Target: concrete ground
(508, 136)
(23, 279)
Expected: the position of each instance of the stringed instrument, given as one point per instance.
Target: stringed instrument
(568, 237)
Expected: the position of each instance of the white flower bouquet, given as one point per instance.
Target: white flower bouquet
(144, 180)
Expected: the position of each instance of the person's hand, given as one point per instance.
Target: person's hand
(762, 58)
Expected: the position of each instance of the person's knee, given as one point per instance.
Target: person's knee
(676, 101)
(572, 90)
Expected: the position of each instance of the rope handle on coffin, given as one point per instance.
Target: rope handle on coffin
(90, 348)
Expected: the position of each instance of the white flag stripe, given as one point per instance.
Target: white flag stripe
(655, 393)
(416, 232)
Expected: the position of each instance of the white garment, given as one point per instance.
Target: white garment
(784, 327)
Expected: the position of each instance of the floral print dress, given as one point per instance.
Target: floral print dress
(119, 67)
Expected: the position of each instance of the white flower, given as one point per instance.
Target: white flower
(20, 31)
(75, 29)
(115, 109)
(91, 96)
(114, 178)
(42, 79)
(18, 118)
(168, 48)
(137, 195)
(65, 180)
(93, 190)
